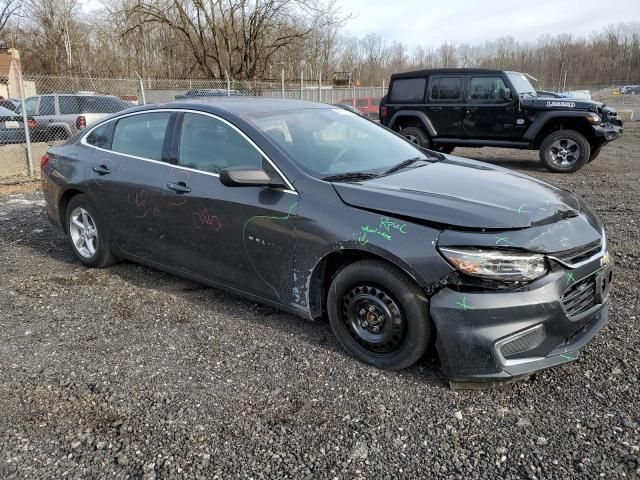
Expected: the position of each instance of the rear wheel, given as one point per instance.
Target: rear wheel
(87, 234)
(416, 135)
(376, 313)
(565, 151)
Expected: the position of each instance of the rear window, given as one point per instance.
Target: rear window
(141, 135)
(446, 88)
(75, 105)
(408, 90)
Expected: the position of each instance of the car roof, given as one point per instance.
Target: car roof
(239, 105)
(452, 71)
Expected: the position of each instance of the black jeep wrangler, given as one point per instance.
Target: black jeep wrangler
(444, 108)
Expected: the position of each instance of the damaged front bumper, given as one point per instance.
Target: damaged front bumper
(608, 132)
(487, 336)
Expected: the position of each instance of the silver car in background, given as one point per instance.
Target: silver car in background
(60, 115)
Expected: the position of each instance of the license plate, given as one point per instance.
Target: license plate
(11, 124)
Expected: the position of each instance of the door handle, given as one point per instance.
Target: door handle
(101, 170)
(179, 187)
(436, 109)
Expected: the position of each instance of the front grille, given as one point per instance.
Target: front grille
(580, 297)
(523, 342)
(578, 254)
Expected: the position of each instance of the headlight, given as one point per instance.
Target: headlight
(496, 264)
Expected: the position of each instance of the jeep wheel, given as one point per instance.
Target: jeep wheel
(416, 135)
(594, 154)
(565, 151)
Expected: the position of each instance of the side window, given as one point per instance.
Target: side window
(408, 90)
(487, 90)
(47, 105)
(446, 89)
(68, 105)
(211, 145)
(101, 136)
(141, 135)
(30, 105)
(362, 102)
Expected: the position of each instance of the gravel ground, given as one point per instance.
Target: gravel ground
(131, 373)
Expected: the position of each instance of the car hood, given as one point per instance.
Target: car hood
(463, 193)
(549, 103)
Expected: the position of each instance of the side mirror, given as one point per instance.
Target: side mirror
(245, 178)
(506, 94)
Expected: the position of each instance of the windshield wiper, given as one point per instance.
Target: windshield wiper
(344, 177)
(404, 164)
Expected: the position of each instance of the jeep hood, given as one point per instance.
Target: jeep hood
(463, 193)
(548, 103)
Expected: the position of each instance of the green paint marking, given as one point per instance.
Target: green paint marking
(268, 217)
(567, 357)
(384, 229)
(520, 208)
(570, 279)
(504, 241)
(464, 304)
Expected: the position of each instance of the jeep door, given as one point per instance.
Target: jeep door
(444, 105)
(490, 111)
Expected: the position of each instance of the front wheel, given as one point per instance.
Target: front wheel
(565, 151)
(377, 314)
(416, 136)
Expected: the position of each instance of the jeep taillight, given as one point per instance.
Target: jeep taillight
(44, 160)
(384, 111)
(81, 122)
(31, 123)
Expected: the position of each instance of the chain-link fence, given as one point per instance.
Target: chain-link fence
(38, 111)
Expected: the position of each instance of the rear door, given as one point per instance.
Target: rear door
(489, 112)
(444, 105)
(128, 170)
(242, 237)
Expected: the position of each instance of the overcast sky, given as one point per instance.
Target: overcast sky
(430, 23)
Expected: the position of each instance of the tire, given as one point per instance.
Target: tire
(416, 135)
(374, 291)
(565, 151)
(92, 250)
(594, 154)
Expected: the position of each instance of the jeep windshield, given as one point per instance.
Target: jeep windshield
(333, 143)
(521, 83)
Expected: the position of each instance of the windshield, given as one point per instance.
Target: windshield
(5, 112)
(334, 141)
(521, 83)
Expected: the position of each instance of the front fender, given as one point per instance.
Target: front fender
(544, 118)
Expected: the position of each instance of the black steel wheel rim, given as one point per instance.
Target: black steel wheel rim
(373, 319)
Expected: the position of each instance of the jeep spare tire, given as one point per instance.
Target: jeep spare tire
(416, 135)
(565, 151)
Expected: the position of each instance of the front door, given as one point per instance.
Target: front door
(444, 105)
(128, 173)
(490, 110)
(242, 237)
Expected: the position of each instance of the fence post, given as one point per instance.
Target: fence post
(320, 86)
(144, 99)
(282, 83)
(301, 82)
(24, 118)
(226, 74)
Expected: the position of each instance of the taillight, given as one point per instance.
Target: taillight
(31, 123)
(81, 122)
(44, 160)
(384, 111)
